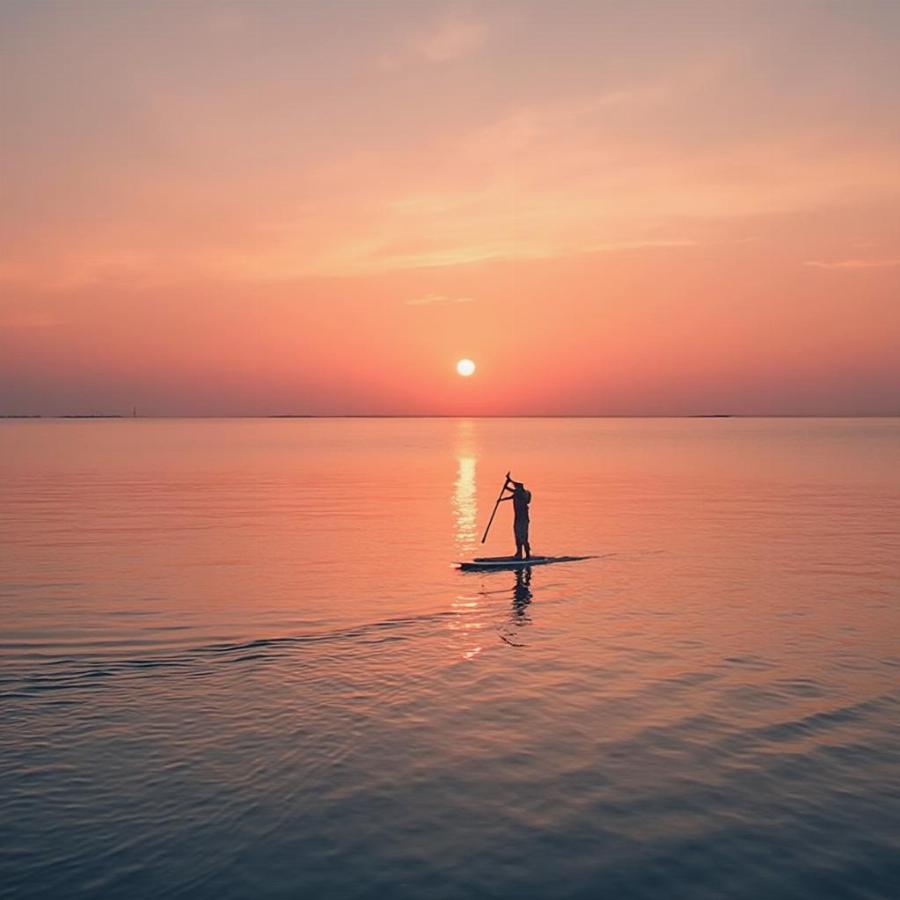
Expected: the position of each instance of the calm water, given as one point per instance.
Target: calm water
(235, 660)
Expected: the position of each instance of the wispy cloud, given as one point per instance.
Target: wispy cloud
(450, 40)
(429, 299)
(661, 243)
(852, 263)
(443, 42)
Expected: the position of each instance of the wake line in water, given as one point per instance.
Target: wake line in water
(73, 673)
(356, 631)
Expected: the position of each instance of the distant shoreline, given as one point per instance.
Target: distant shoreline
(76, 416)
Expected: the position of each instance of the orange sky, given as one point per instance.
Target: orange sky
(623, 208)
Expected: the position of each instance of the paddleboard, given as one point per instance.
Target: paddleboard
(489, 563)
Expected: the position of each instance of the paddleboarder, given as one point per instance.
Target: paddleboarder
(520, 500)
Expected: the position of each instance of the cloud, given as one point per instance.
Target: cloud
(429, 299)
(446, 41)
(450, 40)
(852, 263)
(662, 243)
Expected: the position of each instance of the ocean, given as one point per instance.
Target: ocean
(236, 660)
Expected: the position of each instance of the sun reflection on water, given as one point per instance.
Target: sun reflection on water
(470, 610)
(464, 503)
(469, 620)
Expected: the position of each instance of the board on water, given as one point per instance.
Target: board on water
(494, 563)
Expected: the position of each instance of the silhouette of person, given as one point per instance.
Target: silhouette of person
(521, 500)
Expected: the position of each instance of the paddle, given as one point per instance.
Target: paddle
(499, 498)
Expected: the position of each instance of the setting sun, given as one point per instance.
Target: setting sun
(465, 367)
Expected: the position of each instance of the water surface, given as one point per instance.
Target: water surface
(235, 659)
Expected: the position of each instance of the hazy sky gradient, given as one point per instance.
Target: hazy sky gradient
(318, 207)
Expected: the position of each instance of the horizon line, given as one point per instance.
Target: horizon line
(106, 416)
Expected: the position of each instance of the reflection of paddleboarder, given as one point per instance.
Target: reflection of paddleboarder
(522, 593)
(521, 601)
(521, 499)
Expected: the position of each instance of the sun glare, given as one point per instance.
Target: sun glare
(465, 367)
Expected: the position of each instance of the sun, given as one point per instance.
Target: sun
(465, 367)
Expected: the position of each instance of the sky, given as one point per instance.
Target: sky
(667, 208)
